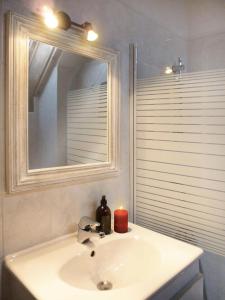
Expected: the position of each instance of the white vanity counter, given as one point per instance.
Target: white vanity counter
(137, 264)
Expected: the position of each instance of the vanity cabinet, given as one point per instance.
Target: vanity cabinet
(195, 291)
(185, 286)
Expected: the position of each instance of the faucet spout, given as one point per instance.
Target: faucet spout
(87, 229)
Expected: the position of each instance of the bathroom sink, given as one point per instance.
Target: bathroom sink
(133, 266)
(121, 262)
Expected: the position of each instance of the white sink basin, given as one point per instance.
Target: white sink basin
(121, 262)
(134, 265)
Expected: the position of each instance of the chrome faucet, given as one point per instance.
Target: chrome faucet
(87, 229)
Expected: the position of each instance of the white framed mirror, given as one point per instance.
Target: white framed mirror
(62, 107)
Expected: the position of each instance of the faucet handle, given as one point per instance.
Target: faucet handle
(88, 224)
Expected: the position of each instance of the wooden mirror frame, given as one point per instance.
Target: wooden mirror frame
(19, 178)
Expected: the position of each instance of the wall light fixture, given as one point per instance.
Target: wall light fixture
(62, 20)
(168, 70)
(176, 68)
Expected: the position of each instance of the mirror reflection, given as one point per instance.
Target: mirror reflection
(67, 108)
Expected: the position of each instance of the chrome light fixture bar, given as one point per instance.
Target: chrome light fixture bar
(62, 20)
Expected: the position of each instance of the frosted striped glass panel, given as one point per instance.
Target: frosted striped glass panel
(180, 157)
(87, 140)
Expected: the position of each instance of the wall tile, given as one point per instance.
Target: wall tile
(38, 216)
(70, 205)
(27, 220)
(33, 218)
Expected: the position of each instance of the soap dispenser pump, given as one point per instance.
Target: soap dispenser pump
(103, 216)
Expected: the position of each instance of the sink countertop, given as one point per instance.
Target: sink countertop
(46, 270)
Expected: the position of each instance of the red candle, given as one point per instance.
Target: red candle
(121, 220)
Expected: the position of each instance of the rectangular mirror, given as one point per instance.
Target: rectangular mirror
(63, 101)
(67, 108)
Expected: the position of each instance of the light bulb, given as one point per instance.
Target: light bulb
(168, 70)
(92, 35)
(50, 18)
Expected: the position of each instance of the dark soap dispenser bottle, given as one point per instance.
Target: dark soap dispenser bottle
(103, 216)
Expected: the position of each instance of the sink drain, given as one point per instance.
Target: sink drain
(104, 285)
